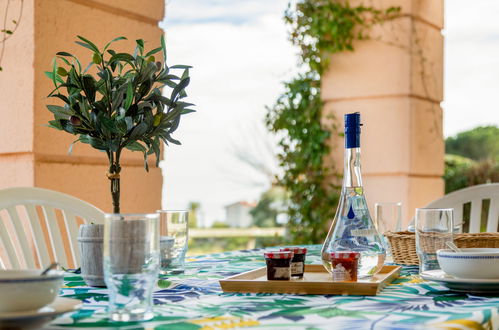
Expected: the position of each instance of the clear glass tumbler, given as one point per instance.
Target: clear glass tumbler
(174, 235)
(434, 228)
(388, 217)
(131, 264)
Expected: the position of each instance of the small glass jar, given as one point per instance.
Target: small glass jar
(344, 266)
(278, 265)
(298, 261)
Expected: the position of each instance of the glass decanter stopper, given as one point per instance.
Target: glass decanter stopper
(352, 228)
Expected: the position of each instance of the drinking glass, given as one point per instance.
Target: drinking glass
(173, 228)
(388, 217)
(434, 228)
(131, 264)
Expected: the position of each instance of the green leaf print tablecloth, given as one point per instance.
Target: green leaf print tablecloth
(195, 301)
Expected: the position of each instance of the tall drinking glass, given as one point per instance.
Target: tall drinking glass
(131, 263)
(434, 228)
(388, 217)
(174, 235)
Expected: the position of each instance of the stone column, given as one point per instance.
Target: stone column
(395, 81)
(34, 155)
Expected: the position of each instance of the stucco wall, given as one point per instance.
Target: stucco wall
(35, 155)
(395, 81)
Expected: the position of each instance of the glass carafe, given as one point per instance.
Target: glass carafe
(352, 228)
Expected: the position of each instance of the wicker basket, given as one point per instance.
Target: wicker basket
(403, 244)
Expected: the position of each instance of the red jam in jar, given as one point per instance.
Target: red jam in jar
(298, 261)
(278, 265)
(344, 266)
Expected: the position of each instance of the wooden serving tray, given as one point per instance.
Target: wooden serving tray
(316, 280)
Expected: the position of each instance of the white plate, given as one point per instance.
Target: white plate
(35, 319)
(484, 286)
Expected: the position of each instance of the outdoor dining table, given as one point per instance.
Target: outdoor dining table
(194, 300)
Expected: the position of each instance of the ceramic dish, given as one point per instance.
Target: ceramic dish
(37, 318)
(470, 263)
(481, 286)
(27, 290)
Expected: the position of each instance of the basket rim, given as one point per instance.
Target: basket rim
(411, 233)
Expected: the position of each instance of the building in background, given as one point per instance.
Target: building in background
(238, 214)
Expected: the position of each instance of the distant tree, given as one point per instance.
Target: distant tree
(255, 149)
(472, 157)
(193, 208)
(478, 144)
(456, 169)
(219, 224)
(270, 205)
(485, 171)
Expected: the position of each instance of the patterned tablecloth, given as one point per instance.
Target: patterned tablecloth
(195, 301)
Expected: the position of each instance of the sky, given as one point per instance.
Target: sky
(471, 67)
(240, 55)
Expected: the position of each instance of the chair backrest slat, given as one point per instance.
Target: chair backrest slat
(476, 195)
(476, 211)
(72, 226)
(41, 246)
(54, 229)
(8, 244)
(493, 217)
(458, 216)
(21, 237)
(55, 233)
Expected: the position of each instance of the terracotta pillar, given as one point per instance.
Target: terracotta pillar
(395, 81)
(34, 155)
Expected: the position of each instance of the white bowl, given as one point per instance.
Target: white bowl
(25, 290)
(473, 263)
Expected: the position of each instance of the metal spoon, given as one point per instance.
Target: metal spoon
(52, 266)
(453, 247)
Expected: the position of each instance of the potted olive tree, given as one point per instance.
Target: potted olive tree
(121, 107)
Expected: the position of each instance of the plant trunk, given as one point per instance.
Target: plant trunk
(114, 176)
(115, 192)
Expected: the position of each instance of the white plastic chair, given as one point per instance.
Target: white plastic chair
(36, 224)
(475, 195)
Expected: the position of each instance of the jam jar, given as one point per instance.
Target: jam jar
(298, 261)
(278, 265)
(344, 266)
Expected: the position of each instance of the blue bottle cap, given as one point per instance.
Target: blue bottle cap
(352, 120)
(352, 130)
